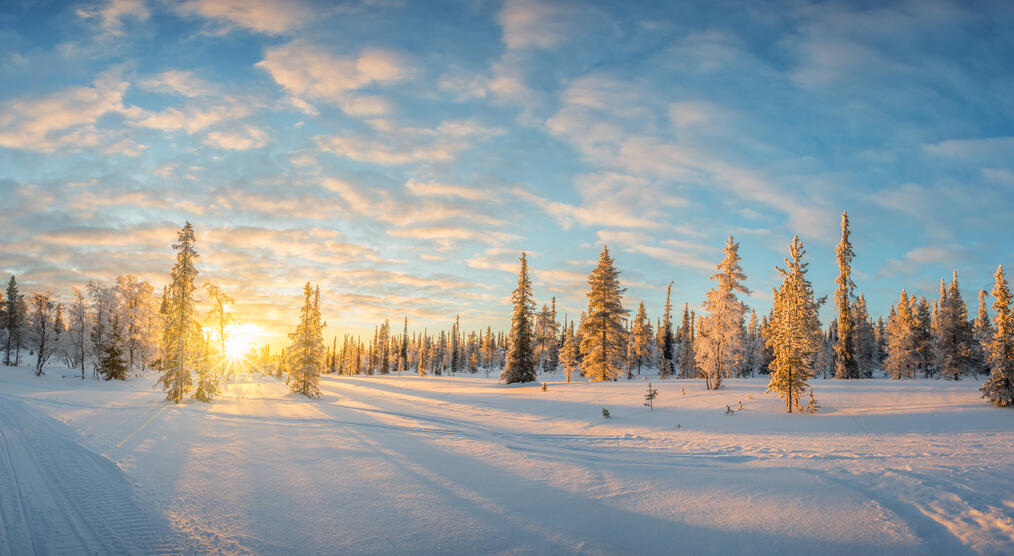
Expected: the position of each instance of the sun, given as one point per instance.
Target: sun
(240, 338)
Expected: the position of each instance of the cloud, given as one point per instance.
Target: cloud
(981, 149)
(179, 82)
(535, 23)
(431, 188)
(390, 145)
(66, 119)
(242, 139)
(307, 71)
(112, 13)
(273, 17)
(612, 199)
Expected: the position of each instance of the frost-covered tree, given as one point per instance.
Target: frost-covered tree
(42, 328)
(77, 333)
(520, 362)
(923, 334)
(796, 335)
(109, 361)
(570, 356)
(984, 331)
(13, 323)
(753, 352)
(901, 358)
(218, 314)
(139, 318)
(666, 344)
(182, 340)
(719, 346)
(955, 343)
(686, 336)
(999, 387)
(865, 338)
(641, 334)
(845, 365)
(105, 307)
(305, 355)
(603, 335)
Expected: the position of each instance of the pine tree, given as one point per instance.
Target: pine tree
(181, 334)
(923, 333)
(956, 345)
(305, 355)
(603, 336)
(901, 358)
(797, 337)
(687, 362)
(666, 348)
(403, 349)
(984, 332)
(13, 323)
(570, 357)
(718, 347)
(641, 334)
(845, 365)
(111, 364)
(207, 376)
(999, 387)
(520, 362)
(866, 342)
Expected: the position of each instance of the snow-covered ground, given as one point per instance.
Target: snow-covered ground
(463, 465)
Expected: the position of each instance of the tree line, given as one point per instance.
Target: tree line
(125, 326)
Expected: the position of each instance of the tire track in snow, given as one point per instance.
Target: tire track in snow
(61, 498)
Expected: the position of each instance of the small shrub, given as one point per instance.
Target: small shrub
(605, 413)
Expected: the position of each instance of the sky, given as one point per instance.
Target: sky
(403, 154)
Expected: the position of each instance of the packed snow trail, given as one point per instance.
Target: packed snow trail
(461, 464)
(58, 497)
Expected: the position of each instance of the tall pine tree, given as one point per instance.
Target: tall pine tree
(305, 356)
(181, 334)
(520, 358)
(719, 344)
(603, 336)
(999, 388)
(845, 364)
(796, 339)
(666, 348)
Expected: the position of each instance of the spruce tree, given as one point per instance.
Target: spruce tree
(983, 333)
(686, 361)
(13, 322)
(570, 357)
(603, 336)
(796, 334)
(305, 355)
(718, 348)
(641, 334)
(181, 334)
(666, 348)
(866, 341)
(520, 362)
(901, 358)
(999, 387)
(111, 362)
(956, 346)
(845, 365)
(207, 373)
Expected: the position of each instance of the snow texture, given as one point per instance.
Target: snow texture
(464, 465)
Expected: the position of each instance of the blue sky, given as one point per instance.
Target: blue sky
(402, 154)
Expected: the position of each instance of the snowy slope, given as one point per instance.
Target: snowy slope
(408, 465)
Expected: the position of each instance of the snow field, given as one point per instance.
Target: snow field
(461, 464)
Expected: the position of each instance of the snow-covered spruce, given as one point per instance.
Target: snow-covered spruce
(304, 358)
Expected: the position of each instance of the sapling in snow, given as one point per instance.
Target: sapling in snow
(649, 397)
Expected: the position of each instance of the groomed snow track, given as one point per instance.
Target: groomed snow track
(58, 497)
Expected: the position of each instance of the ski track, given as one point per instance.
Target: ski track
(57, 497)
